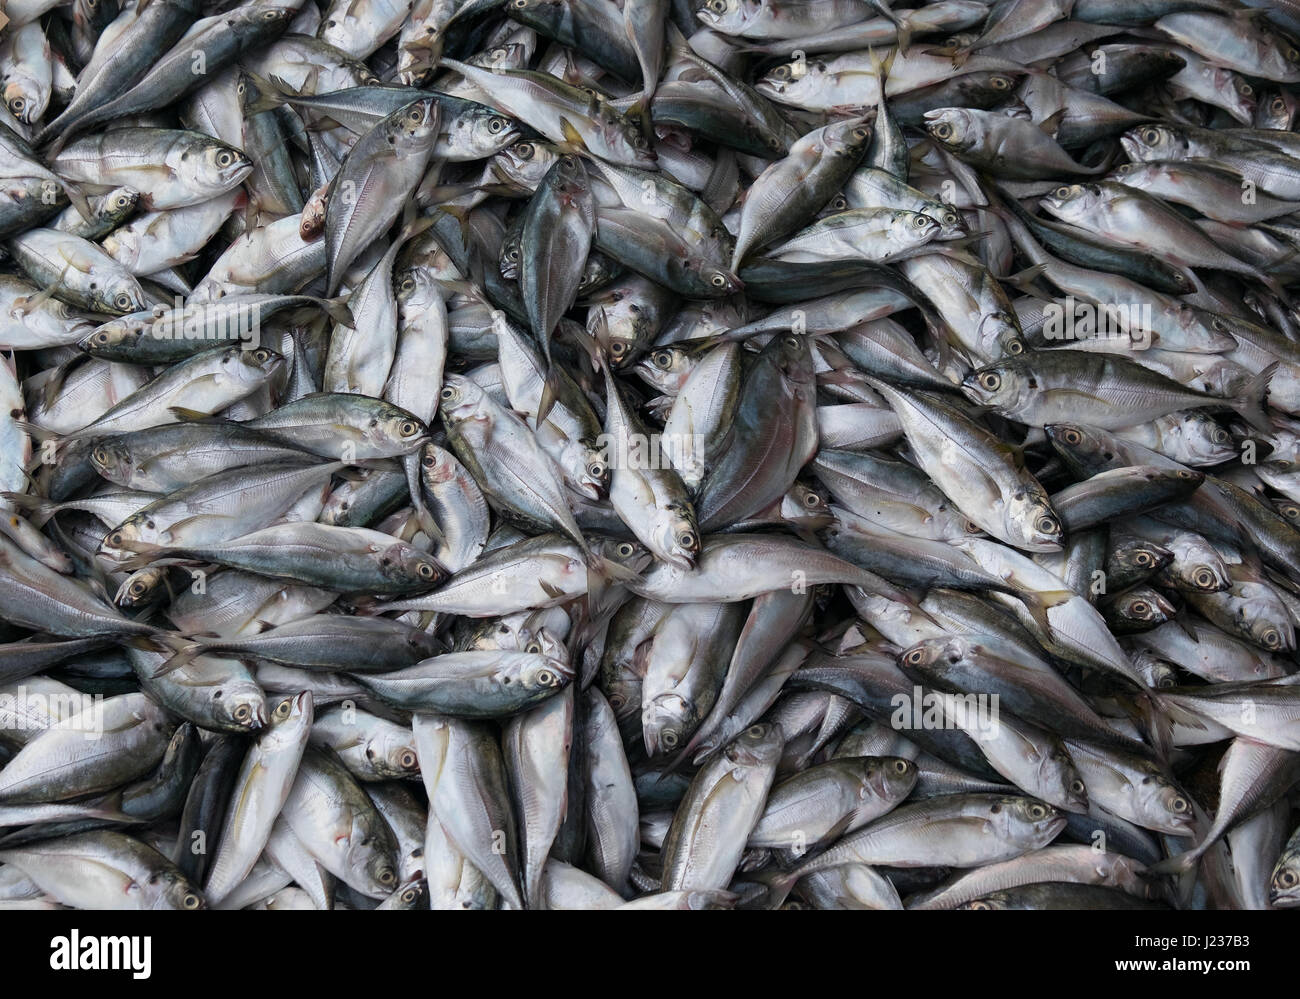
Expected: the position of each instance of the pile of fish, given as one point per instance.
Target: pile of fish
(650, 454)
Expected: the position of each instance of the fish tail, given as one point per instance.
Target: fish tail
(1250, 402)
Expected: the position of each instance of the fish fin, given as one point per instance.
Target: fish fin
(38, 509)
(1177, 865)
(183, 415)
(1038, 604)
(186, 653)
(1250, 401)
(1024, 280)
(1050, 125)
(572, 138)
(547, 400)
(337, 309)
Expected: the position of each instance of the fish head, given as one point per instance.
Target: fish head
(759, 745)
(1031, 522)
(460, 398)
(1026, 820)
(1005, 386)
(1057, 769)
(253, 366)
(288, 722)
(176, 892)
(393, 757)
(1154, 142)
(931, 654)
(1164, 806)
(241, 705)
(848, 138)
(141, 587)
(1145, 605)
(1074, 202)
(726, 16)
(1284, 886)
(25, 100)
(523, 164)
(406, 564)
(118, 336)
(481, 133)
(666, 368)
(1081, 446)
(630, 555)
(112, 459)
(887, 777)
(214, 166)
(1139, 556)
(675, 538)
(397, 429)
(953, 127)
(127, 537)
(915, 228)
(666, 721)
(414, 128)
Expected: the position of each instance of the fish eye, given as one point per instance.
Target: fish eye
(942, 131)
(1015, 347)
(415, 115)
(1203, 578)
(545, 678)
(618, 348)
(123, 301)
(915, 657)
(1047, 525)
(979, 905)
(792, 342)
(669, 738)
(411, 894)
(271, 15)
(524, 150)
(1072, 437)
(121, 201)
(900, 766)
(991, 381)
(1143, 558)
(225, 157)
(429, 461)
(1292, 55)
(407, 760)
(408, 428)
(811, 499)
(718, 6)
(596, 470)
(282, 709)
(1219, 436)
(1180, 804)
(16, 104)
(408, 285)
(137, 588)
(718, 280)
(115, 539)
(1278, 106)
(1287, 879)
(261, 355)
(1037, 812)
(861, 132)
(386, 876)
(1000, 83)
(921, 221)
(426, 571)
(191, 901)
(1271, 638)
(1141, 608)
(687, 540)
(448, 393)
(242, 713)
(663, 359)
(625, 550)
(533, 648)
(496, 125)
(781, 72)
(102, 337)
(1150, 135)
(755, 732)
